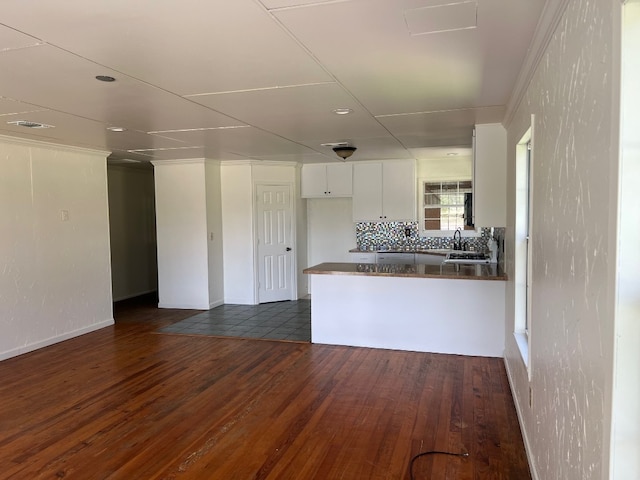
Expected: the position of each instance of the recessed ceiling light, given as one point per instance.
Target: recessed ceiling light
(116, 129)
(342, 111)
(105, 78)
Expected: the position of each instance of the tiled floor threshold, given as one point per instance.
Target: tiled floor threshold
(276, 321)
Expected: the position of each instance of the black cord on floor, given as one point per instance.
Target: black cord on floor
(432, 452)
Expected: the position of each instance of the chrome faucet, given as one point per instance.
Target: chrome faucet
(457, 240)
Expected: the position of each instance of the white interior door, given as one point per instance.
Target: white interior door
(275, 249)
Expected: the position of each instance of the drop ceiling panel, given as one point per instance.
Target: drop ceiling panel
(304, 112)
(301, 158)
(390, 71)
(272, 4)
(187, 47)
(460, 136)
(11, 39)
(442, 18)
(93, 134)
(51, 78)
(248, 142)
(258, 78)
(419, 123)
(10, 107)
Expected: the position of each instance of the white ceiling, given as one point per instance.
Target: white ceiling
(259, 79)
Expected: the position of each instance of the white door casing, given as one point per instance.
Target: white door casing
(275, 243)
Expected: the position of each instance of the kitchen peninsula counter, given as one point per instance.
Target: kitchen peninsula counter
(423, 308)
(444, 271)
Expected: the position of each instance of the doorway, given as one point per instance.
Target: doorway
(274, 252)
(132, 229)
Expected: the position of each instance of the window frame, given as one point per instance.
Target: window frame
(423, 205)
(523, 254)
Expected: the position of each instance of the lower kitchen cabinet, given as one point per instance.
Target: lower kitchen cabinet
(363, 257)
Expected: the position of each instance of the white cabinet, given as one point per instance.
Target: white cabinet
(429, 259)
(327, 180)
(396, 258)
(384, 191)
(490, 176)
(363, 257)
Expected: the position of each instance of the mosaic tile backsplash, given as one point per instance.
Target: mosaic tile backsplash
(393, 236)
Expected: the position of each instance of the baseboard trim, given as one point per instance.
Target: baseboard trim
(523, 429)
(239, 301)
(215, 304)
(134, 295)
(53, 340)
(185, 306)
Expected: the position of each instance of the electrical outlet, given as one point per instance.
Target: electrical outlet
(64, 215)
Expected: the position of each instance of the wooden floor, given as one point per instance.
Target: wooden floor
(127, 403)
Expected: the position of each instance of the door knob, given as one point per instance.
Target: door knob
(288, 249)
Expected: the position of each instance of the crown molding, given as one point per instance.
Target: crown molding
(183, 161)
(274, 163)
(549, 19)
(27, 142)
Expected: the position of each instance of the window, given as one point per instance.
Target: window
(527, 239)
(523, 244)
(446, 205)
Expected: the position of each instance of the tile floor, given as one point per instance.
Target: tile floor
(276, 321)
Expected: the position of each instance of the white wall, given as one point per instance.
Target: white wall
(445, 168)
(239, 180)
(302, 243)
(132, 227)
(181, 222)
(55, 276)
(214, 229)
(567, 428)
(237, 232)
(331, 231)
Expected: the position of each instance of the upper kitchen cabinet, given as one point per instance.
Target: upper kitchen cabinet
(490, 176)
(384, 191)
(327, 180)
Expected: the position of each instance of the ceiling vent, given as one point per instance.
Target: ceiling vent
(25, 123)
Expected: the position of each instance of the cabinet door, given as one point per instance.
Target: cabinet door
(313, 181)
(429, 259)
(363, 257)
(399, 191)
(367, 192)
(340, 180)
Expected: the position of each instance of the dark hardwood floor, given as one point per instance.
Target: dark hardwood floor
(128, 403)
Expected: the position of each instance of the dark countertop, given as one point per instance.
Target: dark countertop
(452, 271)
